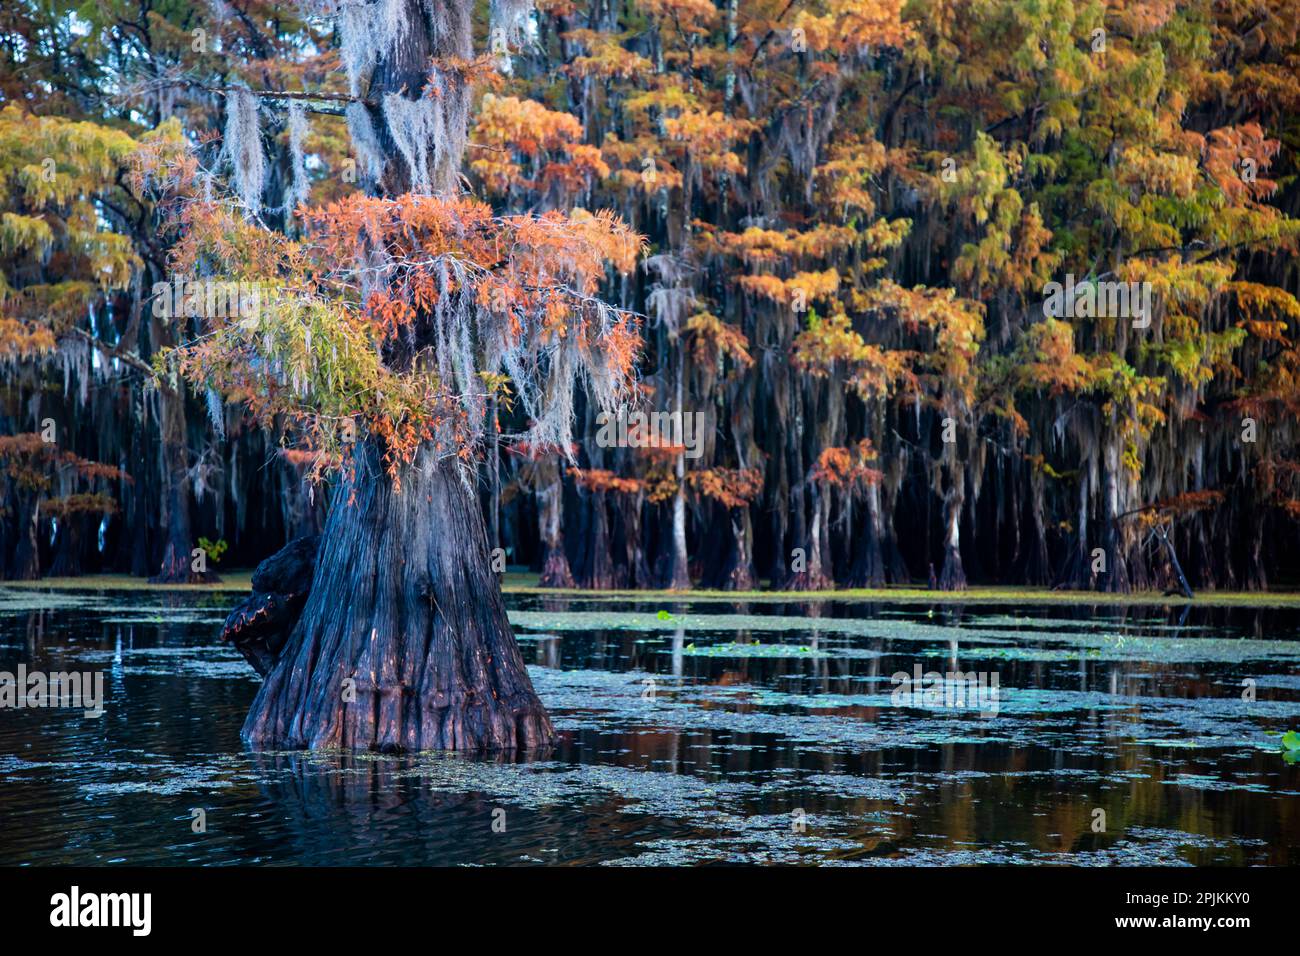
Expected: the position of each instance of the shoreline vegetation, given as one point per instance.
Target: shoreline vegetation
(525, 583)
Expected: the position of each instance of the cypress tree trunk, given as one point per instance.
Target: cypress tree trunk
(403, 643)
(1036, 569)
(1077, 573)
(869, 570)
(638, 569)
(679, 577)
(555, 563)
(953, 575)
(68, 548)
(177, 561)
(815, 576)
(26, 560)
(1117, 578)
(1256, 576)
(600, 574)
(739, 570)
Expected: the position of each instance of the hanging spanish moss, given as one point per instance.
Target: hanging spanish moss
(820, 172)
(242, 148)
(425, 109)
(368, 31)
(299, 185)
(365, 142)
(416, 127)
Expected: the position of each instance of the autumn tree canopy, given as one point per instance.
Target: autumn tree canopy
(836, 230)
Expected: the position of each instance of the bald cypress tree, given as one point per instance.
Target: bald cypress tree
(382, 332)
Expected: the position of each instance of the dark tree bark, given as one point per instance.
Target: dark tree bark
(25, 563)
(1076, 572)
(868, 569)
(638, 569)
(68, 547)
(555, 562)
(403, 643)
(600, 573)
(678, 576)
(178, 542)
(260, 625)
(1175, 565)
(739, 569)
(815, 576)
(1037, 563)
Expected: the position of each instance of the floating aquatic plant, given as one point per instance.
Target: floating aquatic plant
(1291, 746)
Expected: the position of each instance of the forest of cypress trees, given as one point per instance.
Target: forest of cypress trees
(930, 291)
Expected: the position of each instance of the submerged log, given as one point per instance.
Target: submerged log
(260, 625)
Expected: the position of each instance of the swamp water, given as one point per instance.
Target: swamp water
(691, 732)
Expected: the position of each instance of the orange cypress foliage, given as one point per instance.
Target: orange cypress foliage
(81, 503)
(511, 132)
(603, 481)
(846, 469)
(386, 310)
(730, 487)
(712, 339)
(34, 464)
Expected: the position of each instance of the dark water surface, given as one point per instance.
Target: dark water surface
(716, 732)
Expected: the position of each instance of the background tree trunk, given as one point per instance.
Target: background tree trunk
(600, 574)
(1117, 576)
(740, 563)
(679, 575)
(418, 653)
(953, 575)
(27, 546)
(178, 541)
(555, 562)
(869, 563)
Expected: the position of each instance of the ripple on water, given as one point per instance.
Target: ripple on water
(714, 736)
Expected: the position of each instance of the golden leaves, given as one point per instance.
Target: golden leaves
(713, 339)
(730, 487)
(510, 132)
(846, 469)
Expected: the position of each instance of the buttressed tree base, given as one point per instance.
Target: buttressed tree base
(414, 651)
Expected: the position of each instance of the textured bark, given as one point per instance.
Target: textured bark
(68, 547)
(600, 573)
(260, 625)
(1176, 566)
(679, 576)
(953, 575)
(403, 643)
(1256, 575)
(1117, 577)
(555, 563)
(1037, 562)
(815, 577)
(1077, 574)
(679, 573)
(869, 562)
(638, 569)
(24, 562)
(177, 565)
(740, 564)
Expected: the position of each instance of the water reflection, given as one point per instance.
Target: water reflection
(759, 733)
